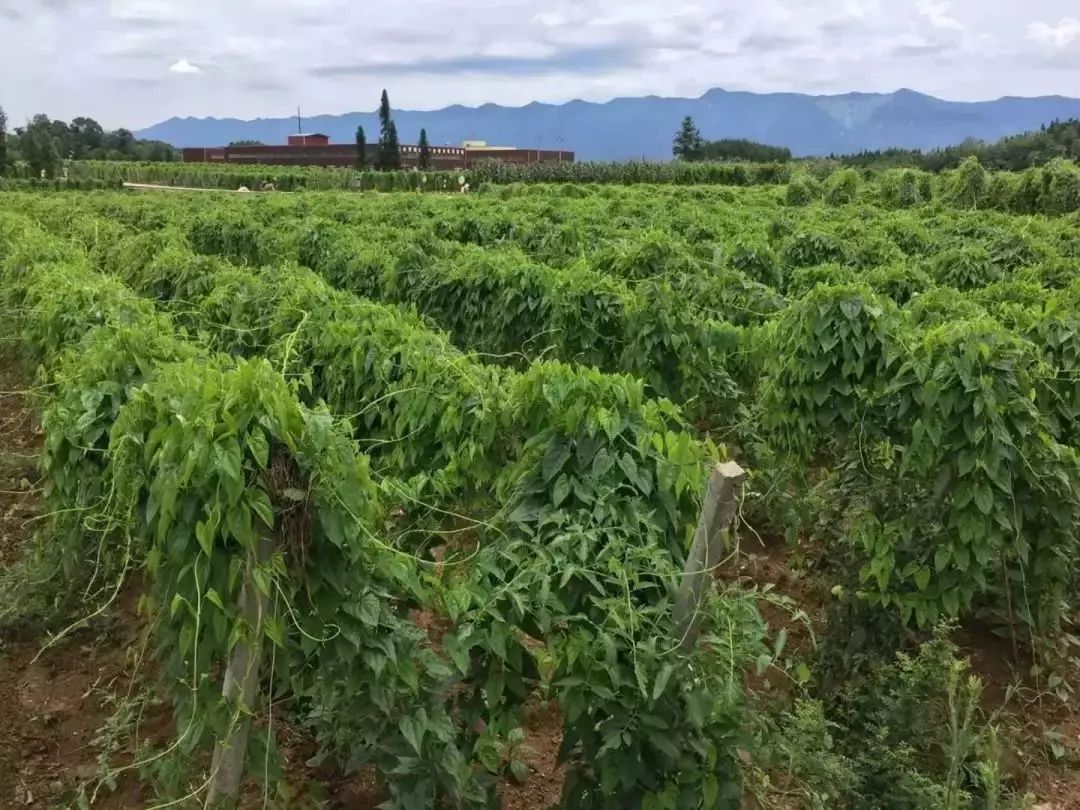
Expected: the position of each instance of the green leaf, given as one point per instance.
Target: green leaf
(238, 522)
(275, 631)
(229, 461)
(710, 790)
(495, 687)
(413, 728)
(178, 602)
(459, 654)
(629, 467)
(497, 640)
(262, 578)
(370, 609)
(950, 599)
(698, 704)
(555, 458)
(562, 489)
(781, 640)
(259, 447)
(662, 679)
(214, 598)
(204, 533)
(602, 462)
(922, 578)
(259, 502)
(962, 556)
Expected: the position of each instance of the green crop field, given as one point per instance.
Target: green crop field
(431, 461)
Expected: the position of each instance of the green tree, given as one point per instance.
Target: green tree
(743, 149)
(425, 151)
(389, 152)
(120, 140)
(62, 137)
(361, 149)
(156, 151)
(3, 142)
(87, 137)
(393, 148)
(687, 144)
(38, 146)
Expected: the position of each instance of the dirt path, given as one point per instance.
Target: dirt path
(50, 708)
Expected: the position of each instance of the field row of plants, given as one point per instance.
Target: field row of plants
(60, 184)
(285, 178)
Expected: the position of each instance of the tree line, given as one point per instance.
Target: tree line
(388, 152)
(690, 146)
(44, 144)
(1059, 139)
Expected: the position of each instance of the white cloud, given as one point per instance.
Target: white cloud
(184, 66)
(937, 14)
(1062, 35)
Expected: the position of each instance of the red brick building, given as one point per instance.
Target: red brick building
(315, 139)
(316, 150)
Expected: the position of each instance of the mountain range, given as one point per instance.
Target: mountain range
(642, 128)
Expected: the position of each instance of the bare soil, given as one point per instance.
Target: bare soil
(544, 782)
(1025, 709)
(51, 705)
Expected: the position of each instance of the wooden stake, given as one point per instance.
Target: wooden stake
(241, 687)
(710, 544)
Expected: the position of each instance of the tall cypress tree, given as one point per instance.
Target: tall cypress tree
(3, 142)
(393, 152)
(425, 151)
(389, 155)
(361, 149)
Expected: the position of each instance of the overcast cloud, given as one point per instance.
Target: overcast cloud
(134, 62)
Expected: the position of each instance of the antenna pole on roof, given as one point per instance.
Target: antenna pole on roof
(299, 129)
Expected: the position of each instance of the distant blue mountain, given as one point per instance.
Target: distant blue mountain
(628, 128)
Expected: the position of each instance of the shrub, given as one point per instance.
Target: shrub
(965, 267)
(805, 249)
(842, 187)
(802, 189)
(967, 185)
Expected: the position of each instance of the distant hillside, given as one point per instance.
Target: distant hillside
(1059, 139)
(628, 128)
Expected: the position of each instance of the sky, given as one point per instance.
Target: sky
(135, 62)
